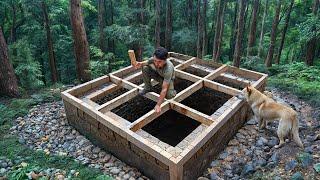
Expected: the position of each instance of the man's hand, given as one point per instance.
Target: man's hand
(138, 65)
(157, 108)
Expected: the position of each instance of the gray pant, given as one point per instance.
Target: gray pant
(148, 73)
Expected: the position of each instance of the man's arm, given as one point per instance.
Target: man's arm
(163, 93)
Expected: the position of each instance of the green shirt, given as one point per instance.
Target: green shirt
(167, 72)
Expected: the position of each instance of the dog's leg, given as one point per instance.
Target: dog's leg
(281, 134)
(264, 123)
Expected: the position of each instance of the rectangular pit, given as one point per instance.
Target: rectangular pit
(148, 141)
(171, 127)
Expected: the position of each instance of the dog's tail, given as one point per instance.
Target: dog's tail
(295, 131)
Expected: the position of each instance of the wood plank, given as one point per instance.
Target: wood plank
(132, 57)
(260, 82)
(117, 118)
(186, 63)
(187, 76)
(209, 63)
(245, 73)
(192, 113)
(123, 71)
(188, 91)
(102, 92)
(179, 56)
(216, 73)
(118, 101)
(149, 117)
(222, 88)
(124, 83)
(176, 172)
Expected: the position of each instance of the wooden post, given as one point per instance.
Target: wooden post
(132, 57)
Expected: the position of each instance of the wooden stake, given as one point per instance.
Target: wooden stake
(132, 57)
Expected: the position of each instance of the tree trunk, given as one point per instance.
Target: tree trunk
(8, 80)
(219, 43)
(51, 54)
(234, 31)
(273, 35)
(311, 45)
(200, 30)
(262, 28)
(205, 33)
(252, 34)
(284, 32)
(168, 35)
(102, 25)
(218, 29)
(238, 46)
(157, 30)
(190, 12)
(81, 46)
(111, 44)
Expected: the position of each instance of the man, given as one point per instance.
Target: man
(161, 70)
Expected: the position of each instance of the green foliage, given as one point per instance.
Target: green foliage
(254, 63)
(184, 41)
(299, 79)
(26, 68)
(310, 28)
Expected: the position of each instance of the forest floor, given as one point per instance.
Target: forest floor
(37, 141)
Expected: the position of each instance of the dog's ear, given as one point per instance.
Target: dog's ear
(249, 90)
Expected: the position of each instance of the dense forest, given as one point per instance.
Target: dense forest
(60, 41)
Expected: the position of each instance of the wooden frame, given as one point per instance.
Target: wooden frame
(168, 162)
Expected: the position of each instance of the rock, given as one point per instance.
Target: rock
(261, 162)
(290, 165)
(203, 178)
(316, 167)
(297, 176)
(223, 155)
(272, 142)
(3, 165)
(252, 122)
(306, 159)
(126, 176)
(262, 141)
(214, 163)
(248, 169)
(317, 137)
(275, 158)
(115, 171)
(214, 176)
(3, 171)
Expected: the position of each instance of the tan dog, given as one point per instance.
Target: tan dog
(266, 109)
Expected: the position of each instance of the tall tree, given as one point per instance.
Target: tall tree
(217, 38)
(200, 30)
(311, 44)
(234, 27)
(277, 60)
(238, 46)
(253, 27)
(205, 33)
(273, 35)
(219, 43)
(51, 53)
(190, 12)
(81, 46)
(168, 36)
(110, 21)
(262, 28)
(102, 25)
(157, 28)
(8, 80)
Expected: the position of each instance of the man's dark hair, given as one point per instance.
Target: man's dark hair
(161, 53)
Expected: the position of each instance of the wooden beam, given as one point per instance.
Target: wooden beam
(211, 64)
(124, 83)
(132, 57)
(117, 118)
(260, 82)
(245, 73)
(216, 72)
(149, 117)
(192, 113)
(123, 71)
(118, 101)
(187, 76)
(188, 91)
(179, 56)
(222, 88)
(102, 92)
(186, 63)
